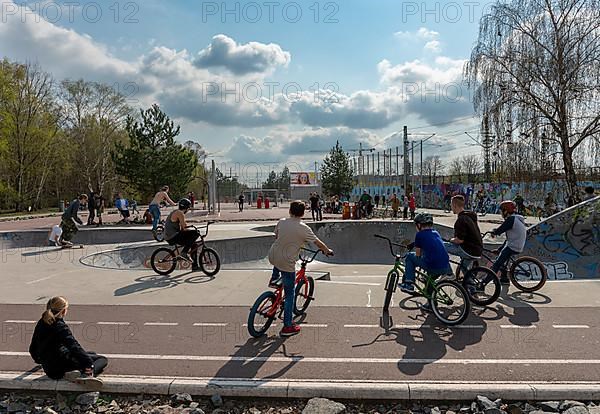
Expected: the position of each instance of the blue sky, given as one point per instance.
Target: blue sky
(373, 53)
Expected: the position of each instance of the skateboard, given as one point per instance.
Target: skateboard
(74, 246)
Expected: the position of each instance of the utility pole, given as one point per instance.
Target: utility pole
(405, 160)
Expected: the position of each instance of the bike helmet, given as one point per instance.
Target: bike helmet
(508, 206)
(184, 204)
(424, 218)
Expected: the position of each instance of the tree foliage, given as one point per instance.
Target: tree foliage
(336, 172)
(152, 158)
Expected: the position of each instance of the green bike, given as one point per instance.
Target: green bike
(448, 299)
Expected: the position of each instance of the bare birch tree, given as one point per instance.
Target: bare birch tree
(536, 66)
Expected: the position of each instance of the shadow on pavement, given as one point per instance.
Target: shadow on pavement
(261, 349)
(154, 282)
(429, 340)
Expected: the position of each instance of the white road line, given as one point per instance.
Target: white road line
(211, 324)
(322, 360)
(411, 326)
(113, 323)
(518, 326)
(39, 280)
(348, 283)
(17, 321)
(161, 323)
(571, 326)
(361, 326)
(314, 325)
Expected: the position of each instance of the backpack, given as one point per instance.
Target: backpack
(148, 217)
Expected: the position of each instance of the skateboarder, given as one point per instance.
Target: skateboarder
(69, 218)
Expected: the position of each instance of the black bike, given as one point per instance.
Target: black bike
(164, 260)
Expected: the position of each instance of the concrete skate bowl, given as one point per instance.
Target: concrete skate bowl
(240, 253)
(568, 243)
(85, 236)
(353, 243)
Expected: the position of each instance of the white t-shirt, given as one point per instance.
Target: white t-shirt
(292, 234)
(56, 232)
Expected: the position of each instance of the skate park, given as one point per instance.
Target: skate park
(187, 328)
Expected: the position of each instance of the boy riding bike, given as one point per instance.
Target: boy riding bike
(467, 242)
(290, 235)
(176, 231)
(430, 255)
(516, 234)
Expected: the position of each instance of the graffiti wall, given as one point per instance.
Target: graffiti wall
(433, 195)
(569, 242)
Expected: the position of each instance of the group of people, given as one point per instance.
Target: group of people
(432, 253)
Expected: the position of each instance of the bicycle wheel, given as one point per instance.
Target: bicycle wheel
(163, 261)
(482, 286)
(450, 302)
(390, 288)
(209, 261)
(528, 274)
(159, 233)
(261, 314)
(303, 295)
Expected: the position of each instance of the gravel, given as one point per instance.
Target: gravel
(88, 403)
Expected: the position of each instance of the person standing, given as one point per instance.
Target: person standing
(69, 218)
(395, 205)
(192, 199)
(412, 205)
(467, 242)
(241, 202)
(314, 206)
(447, 201)
(154, 207)
(99, 208)
(56, 349)
(405, 207)
(91, 207)
(376, 199)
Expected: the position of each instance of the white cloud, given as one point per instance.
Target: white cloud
(430, 38)
(252, 57)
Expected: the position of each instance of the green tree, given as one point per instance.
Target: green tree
(336, 173)
(152, 157)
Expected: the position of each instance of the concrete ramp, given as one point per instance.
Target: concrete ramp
(352, 241)
(569, 242)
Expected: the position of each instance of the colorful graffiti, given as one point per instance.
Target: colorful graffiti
(433, 194)
(569, 242)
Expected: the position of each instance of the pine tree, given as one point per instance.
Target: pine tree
(152, 157)
(336, 173)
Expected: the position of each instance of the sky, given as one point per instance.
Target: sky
(268, 83)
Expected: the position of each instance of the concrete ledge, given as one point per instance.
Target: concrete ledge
(334, 389)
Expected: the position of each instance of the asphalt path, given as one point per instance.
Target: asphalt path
(500, 343)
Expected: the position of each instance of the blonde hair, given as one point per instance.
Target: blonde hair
(54, 306)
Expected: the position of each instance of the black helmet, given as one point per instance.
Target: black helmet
(424, 218)
(184, 204)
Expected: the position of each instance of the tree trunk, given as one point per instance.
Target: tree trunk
(570, 176)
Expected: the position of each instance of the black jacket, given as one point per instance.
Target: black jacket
(467, 229)
(55, 348)
(71, 211)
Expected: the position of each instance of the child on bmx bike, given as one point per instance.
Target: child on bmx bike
(290, 235)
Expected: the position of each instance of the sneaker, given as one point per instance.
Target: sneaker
(426, 307)
(407, 288)
(72, 376)
(275, 283)
(89, 381)
(290, 331)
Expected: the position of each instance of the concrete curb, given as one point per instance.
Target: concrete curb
(334, 389)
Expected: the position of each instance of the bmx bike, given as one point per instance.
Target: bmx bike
(164, 260)
(448, 299)
(269, 305)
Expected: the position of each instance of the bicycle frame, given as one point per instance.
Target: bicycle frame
(279, 292)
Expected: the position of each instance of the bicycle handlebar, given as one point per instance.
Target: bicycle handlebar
(306, 259)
